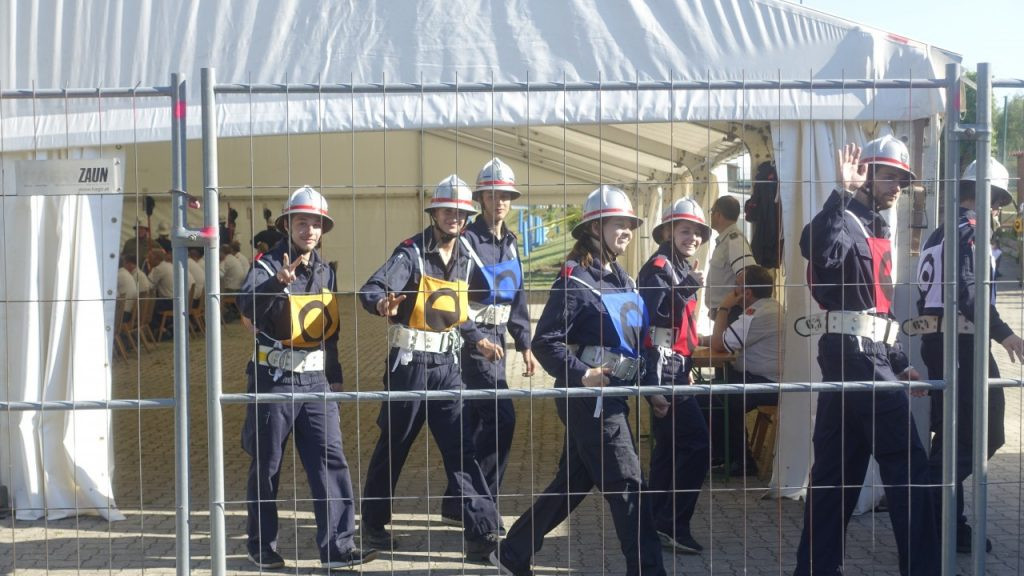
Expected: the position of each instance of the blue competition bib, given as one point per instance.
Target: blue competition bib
(504, 279)
(628, 317)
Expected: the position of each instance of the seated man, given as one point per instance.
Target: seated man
(754, 338)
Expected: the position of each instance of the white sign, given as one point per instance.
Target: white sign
(67, 177)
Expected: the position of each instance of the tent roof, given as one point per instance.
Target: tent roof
(55, 44)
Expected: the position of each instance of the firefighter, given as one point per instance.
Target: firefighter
(497, 303)
(929, 325)
(423, 291)
(288, 298)
(681, 456)
(590, 334)
(850, 273)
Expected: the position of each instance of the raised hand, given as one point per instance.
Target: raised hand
(388, 305)
(850, 172)
(286, 275)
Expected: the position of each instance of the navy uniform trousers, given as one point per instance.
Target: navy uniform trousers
(401, 421)
(681, 455)
(598, 453)
(849, 428)
(489, 425)
(931, 353)
(319, 446)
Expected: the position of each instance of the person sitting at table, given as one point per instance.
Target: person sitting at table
(754, 338)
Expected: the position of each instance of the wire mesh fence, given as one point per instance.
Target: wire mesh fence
(743, 437)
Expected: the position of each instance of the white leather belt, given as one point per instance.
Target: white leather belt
(490, 314)
(291, 359)
(663, 337)
(621, 367)
(860, 324)
(934, 324)
(423, 341)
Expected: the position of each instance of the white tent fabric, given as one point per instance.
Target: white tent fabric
(57, 266)
(106, 43)
(452, 41)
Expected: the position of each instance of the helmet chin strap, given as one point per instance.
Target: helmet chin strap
(442, 234)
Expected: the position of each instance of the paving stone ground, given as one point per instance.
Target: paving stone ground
(743, 533)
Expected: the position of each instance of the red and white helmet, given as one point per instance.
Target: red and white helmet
(605, 202)
(305, 200)
(888, 151)
(999, 181)
(452, 192)
(682, 209)
(498, 176)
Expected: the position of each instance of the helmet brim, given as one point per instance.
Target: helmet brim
(327, 224)
(662, 232)
(579, 229)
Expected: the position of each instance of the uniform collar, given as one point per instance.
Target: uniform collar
(673, 256)
(479, 225)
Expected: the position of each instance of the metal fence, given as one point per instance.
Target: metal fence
(739, 530)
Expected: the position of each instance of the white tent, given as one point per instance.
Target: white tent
(653, 140)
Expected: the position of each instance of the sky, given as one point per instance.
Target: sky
(982, 31)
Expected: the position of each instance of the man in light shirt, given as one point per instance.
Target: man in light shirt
(730, 254)
(754, 338)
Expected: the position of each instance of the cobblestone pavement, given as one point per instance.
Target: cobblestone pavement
(742, 532)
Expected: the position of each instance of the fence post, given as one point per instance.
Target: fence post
(179, 207)
(214, 410)
(949, 336)
(983, 287)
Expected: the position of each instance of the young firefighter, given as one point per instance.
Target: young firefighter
(288, 298)
(850, 273)
(497, 304)
(423, 291)
(929, 324)
(590, 334)
(681, 458)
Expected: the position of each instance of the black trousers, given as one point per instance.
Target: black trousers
(401, 421)
(318, 442)
(849, 428)
(931, 353)
(489, 425)
(599, 453)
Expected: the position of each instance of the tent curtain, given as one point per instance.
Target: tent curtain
(805, 158)
(59, 264)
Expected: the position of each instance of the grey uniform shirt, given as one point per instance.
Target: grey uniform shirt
(754, 338)
(731, 254)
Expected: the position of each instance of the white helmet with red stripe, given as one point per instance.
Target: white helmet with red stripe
(497, 176)
(605, 202)
(999, 181)
(682, 209)
(452, 192)
(305, 200)
(888, 151)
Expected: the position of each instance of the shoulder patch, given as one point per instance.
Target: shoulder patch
(567, 270)
(659, 262)
(408, 242)
(733, 235)
(750, 311)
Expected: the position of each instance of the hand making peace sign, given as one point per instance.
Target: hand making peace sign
(286, 275)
